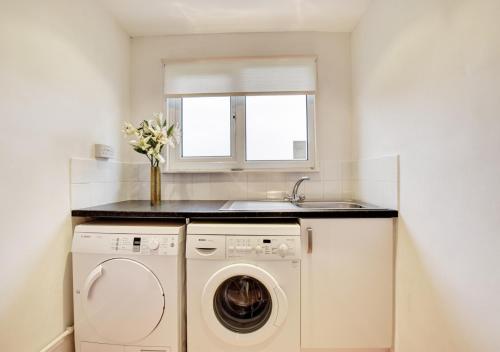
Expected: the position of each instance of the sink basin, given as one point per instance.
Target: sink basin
(240, 205)
(329, 205)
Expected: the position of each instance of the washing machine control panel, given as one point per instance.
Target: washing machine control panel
(264, 247)
(126, 244)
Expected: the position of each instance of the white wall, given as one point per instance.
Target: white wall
(64, 85)
(427, 87)
(333, 105)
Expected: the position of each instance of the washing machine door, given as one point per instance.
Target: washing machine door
(122, 300)
(243, 304)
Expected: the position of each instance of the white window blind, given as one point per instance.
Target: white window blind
(240, 76)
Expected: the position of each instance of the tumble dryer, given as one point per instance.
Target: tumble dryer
(128, 287)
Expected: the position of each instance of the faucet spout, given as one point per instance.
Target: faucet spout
(295, 197)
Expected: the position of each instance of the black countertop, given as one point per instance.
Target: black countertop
(209, 209)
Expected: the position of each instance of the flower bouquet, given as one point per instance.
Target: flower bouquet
(149, 139)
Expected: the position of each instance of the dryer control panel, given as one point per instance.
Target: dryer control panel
(263, 247)
(125, 244)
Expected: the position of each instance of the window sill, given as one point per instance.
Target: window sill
(242, 171)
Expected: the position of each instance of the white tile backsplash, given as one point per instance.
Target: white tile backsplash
(348, 189)
(331, 170)
(313, 190)
(81, 195)
(332, 190)
(201, 186)
(130, 172)
(228, 186)
(373, 180)
(142, 191)
(256, 190)
(95, 182)
(179, 190)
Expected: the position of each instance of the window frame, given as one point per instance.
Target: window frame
(237, 161)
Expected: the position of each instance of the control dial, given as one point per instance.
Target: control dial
(283, 250)
(154, 244)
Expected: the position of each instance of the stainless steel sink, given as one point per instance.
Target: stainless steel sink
(240, 205)
(329, 205)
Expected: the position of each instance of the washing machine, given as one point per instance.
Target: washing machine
(243, 287)
(128, 287)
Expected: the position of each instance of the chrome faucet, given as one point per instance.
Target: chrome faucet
(295, 197)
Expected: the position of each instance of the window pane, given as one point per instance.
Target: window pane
(276, 127)
(206, 127)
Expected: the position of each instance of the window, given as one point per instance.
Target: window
(234, 115)
(276, 127)
(243, 132)
(200, 115)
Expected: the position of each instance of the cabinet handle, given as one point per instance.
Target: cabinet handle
(309, 240)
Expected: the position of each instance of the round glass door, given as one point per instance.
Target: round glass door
(242, 304)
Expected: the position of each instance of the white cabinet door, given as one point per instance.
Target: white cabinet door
(347, 283)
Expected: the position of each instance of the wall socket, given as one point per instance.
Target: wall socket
(103, 151)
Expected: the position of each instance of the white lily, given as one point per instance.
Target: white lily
(158, 148)
(128, 129)
(160, 136)
(160, 158)
(175, 137)
(151, 136)
(143, 143)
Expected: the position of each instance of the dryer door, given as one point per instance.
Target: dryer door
(243, 304)
(123, 300)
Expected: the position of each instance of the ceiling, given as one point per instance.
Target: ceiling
(162, 17)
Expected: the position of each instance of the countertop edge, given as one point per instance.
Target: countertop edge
(215, 214)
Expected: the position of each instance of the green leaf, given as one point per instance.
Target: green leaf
(169, 131)
(139, 150)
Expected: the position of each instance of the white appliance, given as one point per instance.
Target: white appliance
(243, 287)
(128, 287)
